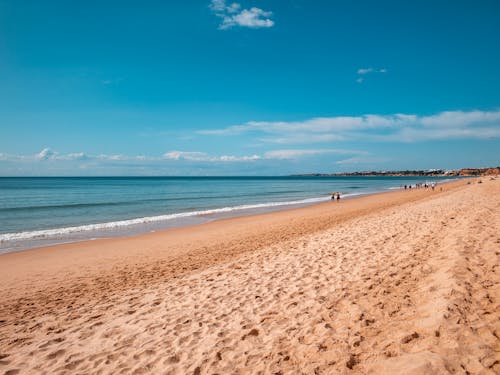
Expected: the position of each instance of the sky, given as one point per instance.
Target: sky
(252, 87)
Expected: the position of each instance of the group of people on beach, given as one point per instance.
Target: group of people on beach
(422, 185)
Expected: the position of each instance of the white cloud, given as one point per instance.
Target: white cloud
(431, 134)
(318, 129)
(294, 154)
(218, 6)
(303, 138)
(460, 118)
(48, 154)
(237, 158)
(202, 156)
(77, 156)
(45, 154)
(230, 130)
(274, 154)
(394, 128)
(232, 15)
(233, 8)
(364, 71)
(253, 17)
(188, 155)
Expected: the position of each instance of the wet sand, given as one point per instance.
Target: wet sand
(400, 282)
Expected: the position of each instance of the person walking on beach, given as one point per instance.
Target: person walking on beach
(333, 196)
(338, 197)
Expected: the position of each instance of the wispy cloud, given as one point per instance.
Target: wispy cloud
(392, 128)
(45, 154)
(230, 158)
(461, 118)
(202, 156)
(371, 70)
(303, 137)
(318, 129)
(296, 154)
(364, 71)
(233, 15)
(49, 155)
(177, 155)
(77, 156)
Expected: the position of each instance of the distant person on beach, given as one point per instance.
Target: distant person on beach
(333, 196)
(338, 197)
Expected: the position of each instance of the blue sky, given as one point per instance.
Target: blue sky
(253, 87)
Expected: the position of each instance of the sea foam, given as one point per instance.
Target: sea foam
(46, 233)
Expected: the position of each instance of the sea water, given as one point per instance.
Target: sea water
(43, 211)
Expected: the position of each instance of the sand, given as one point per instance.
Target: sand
(397, 283)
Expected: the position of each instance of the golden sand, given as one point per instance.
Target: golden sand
(396, 283)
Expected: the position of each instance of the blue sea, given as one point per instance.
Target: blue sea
(50, 210)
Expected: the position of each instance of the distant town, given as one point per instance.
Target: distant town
(430, 172)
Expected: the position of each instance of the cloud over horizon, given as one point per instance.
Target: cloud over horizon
(48, 155)
(290, 146)
(386, 128)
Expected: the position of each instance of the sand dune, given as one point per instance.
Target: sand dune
(402, 284)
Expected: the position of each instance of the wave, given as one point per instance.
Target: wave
(149, 219)
(132, 202)
(96, 204)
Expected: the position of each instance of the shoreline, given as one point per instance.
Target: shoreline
(33, 239)
(149, 242)
(143, 225)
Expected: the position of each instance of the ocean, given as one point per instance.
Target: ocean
(44, 211)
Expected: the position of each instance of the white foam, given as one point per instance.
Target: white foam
(352, 195)
(150, 219)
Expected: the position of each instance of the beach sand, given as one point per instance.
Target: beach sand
(397, 283)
